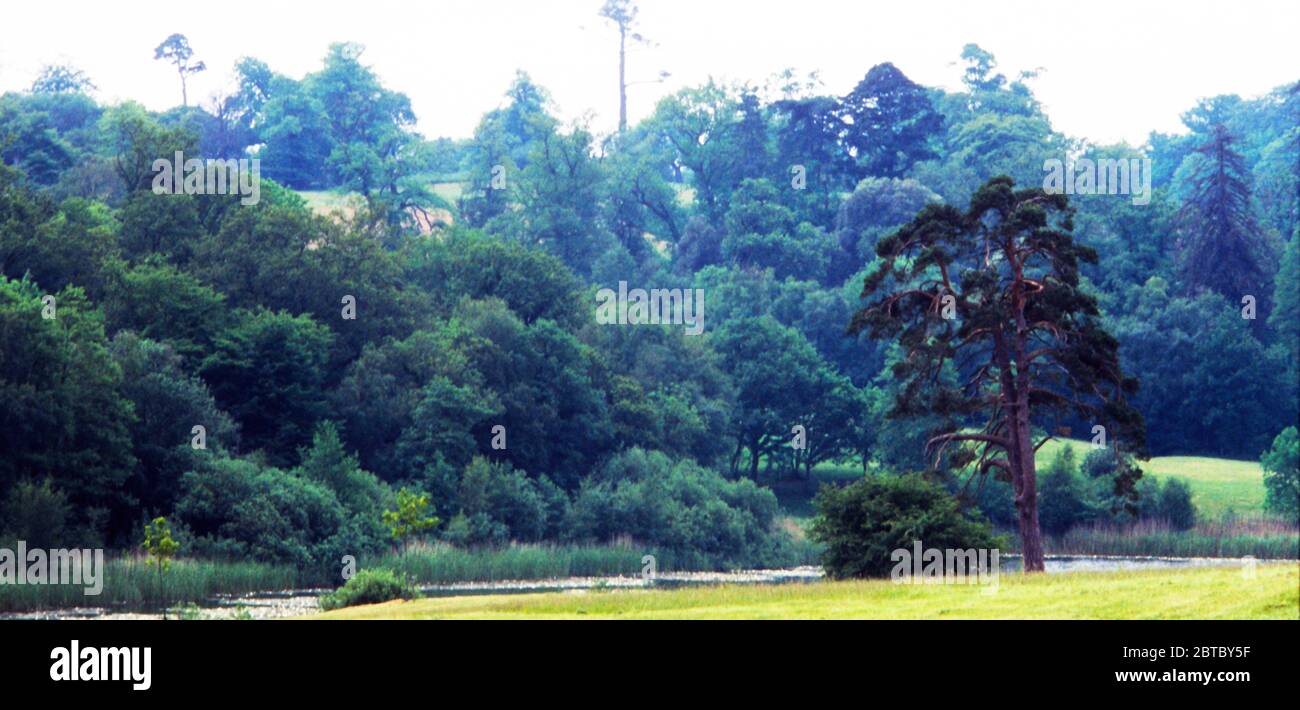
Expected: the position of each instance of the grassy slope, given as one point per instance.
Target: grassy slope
(1207, 593)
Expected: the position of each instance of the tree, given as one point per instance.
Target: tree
(1285, 316)
(558, 196)
(168, 404)
(623, 14)
(995, 292)
(329, 464)
(502, 144)
(1064, 497)
(781, 382)
(63, 416)
(62, 79)
(161, 547)
(1281, 466)
(411, 517)
(1222, 247)
(268, 371)
(176, 49)
(890, 122)
(1210, 387)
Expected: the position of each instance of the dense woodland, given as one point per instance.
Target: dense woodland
(474, 307)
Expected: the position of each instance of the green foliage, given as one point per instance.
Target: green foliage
(892, 122)
(228, 316)
(369, 586)
(159, 544)
(268, 372)
(499, 504)
(411, 516)
(64, 417)
(235, 508)
(680, 507)
(329, 464)
(1200, 349)
(1175, 505)
(1065, 501)
(37, 513)
(861, 524)
(1281, 465)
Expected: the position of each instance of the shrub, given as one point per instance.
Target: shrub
(1175, 504)
(369, 587)
(1281, 466)
(1100, 462)
(863, 523)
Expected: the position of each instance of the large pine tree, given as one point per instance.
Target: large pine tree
(992, 295)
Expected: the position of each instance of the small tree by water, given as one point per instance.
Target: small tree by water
(161, 547)
(411, 517)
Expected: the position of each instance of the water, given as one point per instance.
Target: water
(300, 602)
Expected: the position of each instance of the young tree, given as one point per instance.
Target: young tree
(161, 547)
(411, 517)
(995, 293)
(176, 49)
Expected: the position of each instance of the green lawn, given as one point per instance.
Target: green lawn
(1206, 593)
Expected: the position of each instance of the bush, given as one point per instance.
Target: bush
(1281, 466)
(1169, 502)
(1175, 504)
(369, 587)
(863, 523)
(1100, 462)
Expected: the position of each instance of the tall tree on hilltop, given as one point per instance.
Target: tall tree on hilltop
(994, 295)
(623, 14)
(176, 49)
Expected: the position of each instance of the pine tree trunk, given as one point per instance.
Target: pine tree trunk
(1031, 537)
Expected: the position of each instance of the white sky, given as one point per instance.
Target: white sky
(1114, 70)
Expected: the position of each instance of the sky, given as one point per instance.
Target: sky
(1110, 71)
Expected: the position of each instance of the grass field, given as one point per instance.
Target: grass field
(1206, 593)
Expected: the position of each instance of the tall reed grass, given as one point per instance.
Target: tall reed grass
(132, 582)
(442, 564)
(1263, 538)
